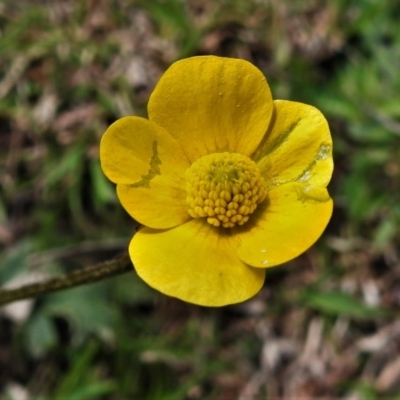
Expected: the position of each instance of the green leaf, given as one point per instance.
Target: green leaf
(78, 383)
(85, 308)
(102, 189)
(67, 166)
(15, 261)
(40, 334)
(385, 232)
(92, 390)
(340, 304)
(171, 12)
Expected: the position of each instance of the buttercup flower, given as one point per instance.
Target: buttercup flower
(225, 181)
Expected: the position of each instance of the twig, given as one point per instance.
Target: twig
(83, 276)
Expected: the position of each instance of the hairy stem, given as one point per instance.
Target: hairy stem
(95, 273)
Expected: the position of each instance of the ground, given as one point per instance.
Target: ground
(324, 325)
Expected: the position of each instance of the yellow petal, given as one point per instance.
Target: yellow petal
(161, 205)
(149, 167)
(286, 225)
(297, 146)
(134, 150)
(212, 104)
(194, 262)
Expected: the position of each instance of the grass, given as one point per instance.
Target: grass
(69, 69)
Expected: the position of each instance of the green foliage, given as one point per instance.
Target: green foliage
(14, 261)
(173, 20)
(65, 76)
(80, 383)
(340, 304)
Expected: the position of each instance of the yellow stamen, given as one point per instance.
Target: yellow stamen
(225, 188)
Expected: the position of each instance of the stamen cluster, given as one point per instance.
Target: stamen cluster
(225, 188)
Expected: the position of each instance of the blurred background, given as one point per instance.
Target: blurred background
(325, 325)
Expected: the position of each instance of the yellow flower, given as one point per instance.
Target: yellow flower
(226, 181)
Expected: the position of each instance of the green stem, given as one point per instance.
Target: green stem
(95, 273)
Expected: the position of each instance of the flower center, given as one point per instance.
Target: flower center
(225, 188)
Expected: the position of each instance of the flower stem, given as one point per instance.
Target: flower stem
(94, 273)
